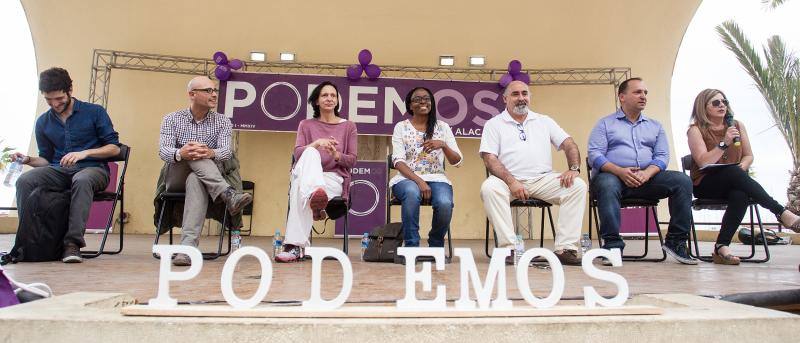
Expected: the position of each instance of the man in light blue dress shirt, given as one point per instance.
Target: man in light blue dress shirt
(629, 154)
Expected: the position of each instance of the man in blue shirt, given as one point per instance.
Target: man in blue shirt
(73, 138)
(629, 154)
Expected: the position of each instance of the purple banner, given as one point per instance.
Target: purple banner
(278, 102)
(368, 193)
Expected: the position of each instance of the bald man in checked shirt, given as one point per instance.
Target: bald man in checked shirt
(193, 141)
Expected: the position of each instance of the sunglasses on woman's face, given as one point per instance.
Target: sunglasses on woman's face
(716, 103)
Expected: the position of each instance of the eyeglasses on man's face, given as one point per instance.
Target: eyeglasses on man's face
(718, 102)
(206, 90)
(522, 136)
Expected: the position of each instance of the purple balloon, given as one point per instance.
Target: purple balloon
(223, 73)
(364, 57)
(514, 67)
(220, 58)
(373, 72)
(354, 72)
(524, 77)
(505, 80)
(236, 64)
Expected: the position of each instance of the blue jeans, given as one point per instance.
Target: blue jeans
(608, 189)
(409, 195)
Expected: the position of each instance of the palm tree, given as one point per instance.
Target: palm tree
(777, 76)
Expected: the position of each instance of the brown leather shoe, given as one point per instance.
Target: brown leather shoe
(72, 253)
(510, 259)
(568, 257)
(181, 260)
(235, 201)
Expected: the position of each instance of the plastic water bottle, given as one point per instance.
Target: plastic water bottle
(586, 243)
(236, 239)
(364, 244)
(519, 249)
(13, 173)
(277, 243)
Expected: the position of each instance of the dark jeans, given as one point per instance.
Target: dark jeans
(81, 182)
(409, 195)
(608, 189)
(733, 184)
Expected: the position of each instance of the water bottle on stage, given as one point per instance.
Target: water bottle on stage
(519, 249)
(364, 244)
(277, 243)
(236, 239)
(586, 243)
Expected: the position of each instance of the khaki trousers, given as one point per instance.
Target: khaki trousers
(497, 198)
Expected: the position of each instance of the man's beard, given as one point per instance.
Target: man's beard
(520, 108)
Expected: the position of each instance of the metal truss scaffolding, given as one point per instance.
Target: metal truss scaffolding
(104, 61)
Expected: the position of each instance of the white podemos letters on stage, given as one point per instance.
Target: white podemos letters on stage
(317, 255)
(558, 278)
(590, 296)
(410, 302)
(226, 280)
(495, 278)
(165, 274)
(496, 272)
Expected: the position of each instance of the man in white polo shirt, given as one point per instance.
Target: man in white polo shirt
(515, 150)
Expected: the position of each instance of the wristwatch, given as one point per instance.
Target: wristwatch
(576, 168)
(177, 155)
(722, 145)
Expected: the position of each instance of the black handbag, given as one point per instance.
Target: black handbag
(383, 243)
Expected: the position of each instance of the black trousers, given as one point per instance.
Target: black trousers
(733, 183)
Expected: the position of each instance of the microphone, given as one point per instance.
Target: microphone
(729, 123)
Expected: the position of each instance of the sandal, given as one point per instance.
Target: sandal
(794, 226)
(728, 259)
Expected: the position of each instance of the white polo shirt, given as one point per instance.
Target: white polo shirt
(528, 159)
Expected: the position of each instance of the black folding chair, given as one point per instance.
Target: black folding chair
(391, 200)
(687, 163)
(650, 206)
(178, 197)
(117, 195)
(531, 202)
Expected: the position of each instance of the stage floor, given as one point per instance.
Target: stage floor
(135, 272)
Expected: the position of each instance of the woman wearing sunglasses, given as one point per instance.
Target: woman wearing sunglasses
(717, 139)
(420, 145)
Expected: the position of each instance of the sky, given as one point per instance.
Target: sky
(19, 86)
(704, 62)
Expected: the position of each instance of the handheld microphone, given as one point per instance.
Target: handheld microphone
(729, 123)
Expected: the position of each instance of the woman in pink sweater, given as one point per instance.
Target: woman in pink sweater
(325, 151)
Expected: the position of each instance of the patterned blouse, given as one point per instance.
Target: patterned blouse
(407, 148)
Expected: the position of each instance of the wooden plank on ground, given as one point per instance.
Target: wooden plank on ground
(382, 312)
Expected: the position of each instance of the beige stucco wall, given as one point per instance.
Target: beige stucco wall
(643, 35)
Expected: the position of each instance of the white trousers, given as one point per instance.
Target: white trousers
(307, 177)
(497, 198)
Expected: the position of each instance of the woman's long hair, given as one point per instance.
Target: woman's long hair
(431, 124)
(699, 113)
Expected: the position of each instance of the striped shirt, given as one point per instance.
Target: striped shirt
(179, 128)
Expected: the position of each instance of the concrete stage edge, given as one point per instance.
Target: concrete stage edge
(95, 317)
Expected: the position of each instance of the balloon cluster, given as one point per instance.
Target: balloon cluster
(364, 58)
(514, 74)
(224, 67)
